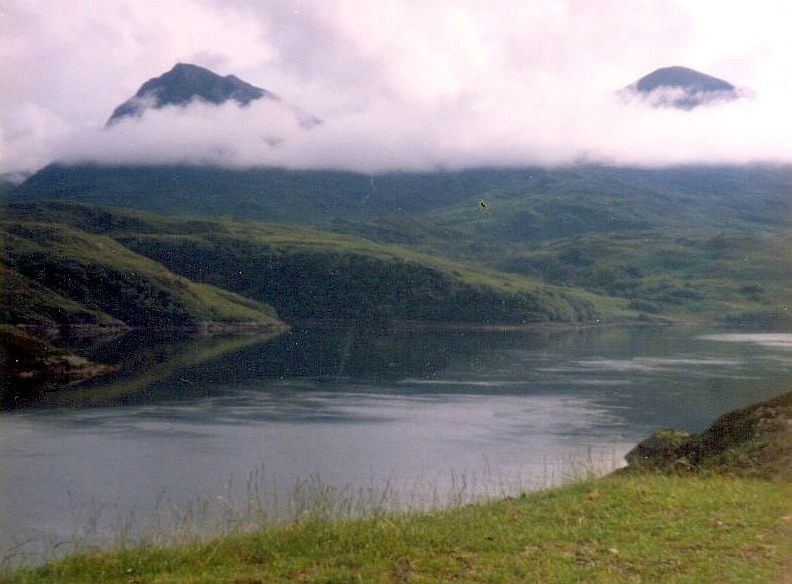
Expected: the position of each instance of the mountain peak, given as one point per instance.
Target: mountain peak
(682, 88)
(184, 83)
(682, 77)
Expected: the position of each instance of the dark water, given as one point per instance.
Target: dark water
(193, 418)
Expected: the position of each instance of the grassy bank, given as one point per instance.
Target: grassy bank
(649, 528)
(53, 275)
(711, 507)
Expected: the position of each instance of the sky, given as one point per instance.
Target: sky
(400, 84)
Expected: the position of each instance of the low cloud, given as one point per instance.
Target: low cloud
(399, 85)
(496, 130)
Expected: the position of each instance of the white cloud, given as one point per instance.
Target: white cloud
(400, 84)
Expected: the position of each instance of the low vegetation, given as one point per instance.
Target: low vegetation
(739, 276)
(686, 243)
(534, 204)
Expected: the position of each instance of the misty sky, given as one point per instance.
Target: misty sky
(399, 83)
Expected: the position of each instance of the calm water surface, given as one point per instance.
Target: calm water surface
(193, 418)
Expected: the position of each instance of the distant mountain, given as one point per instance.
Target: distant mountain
(185, 83)
(682, 88)
(538, 204)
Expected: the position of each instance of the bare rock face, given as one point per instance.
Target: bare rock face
(661, 447)
(753, 441)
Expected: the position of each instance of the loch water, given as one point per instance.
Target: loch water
(420, 414)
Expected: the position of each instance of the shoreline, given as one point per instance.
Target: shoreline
(701, 496)
(281, 326)
(419, 325)
(205, 328)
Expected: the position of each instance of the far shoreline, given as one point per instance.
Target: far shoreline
(57, 332)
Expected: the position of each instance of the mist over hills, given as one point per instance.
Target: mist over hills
(192, 116)
(675, 86)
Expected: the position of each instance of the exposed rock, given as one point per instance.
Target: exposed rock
(660, 446)
(186, 83)
(755, 441)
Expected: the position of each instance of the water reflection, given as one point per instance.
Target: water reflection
(772, 340)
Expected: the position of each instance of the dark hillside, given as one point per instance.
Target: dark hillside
(533, 204)
(320, 275)
(55, 275)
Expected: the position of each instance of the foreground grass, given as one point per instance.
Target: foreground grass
(643, 528)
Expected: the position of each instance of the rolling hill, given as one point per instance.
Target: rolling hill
(304, 274)
(528, 203)
(656, 238)
(54, 275)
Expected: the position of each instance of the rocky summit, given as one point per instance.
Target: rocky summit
(682, 88)
(185, 83)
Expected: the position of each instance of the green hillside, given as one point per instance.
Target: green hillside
(309, 274)
(686, 242)
(53, 274)
(576, 201)
(267, 194)
(524, 203)
(736, 275)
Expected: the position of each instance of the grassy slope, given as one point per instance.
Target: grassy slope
(55, 274)
(620, 529)
(303, 197)
(694, 244)
(312, 274)
(29, 302)
(567, 202)
(535, 223)
(726, 273)
(641, 526)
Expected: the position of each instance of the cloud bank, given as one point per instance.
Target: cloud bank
(399, 84)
